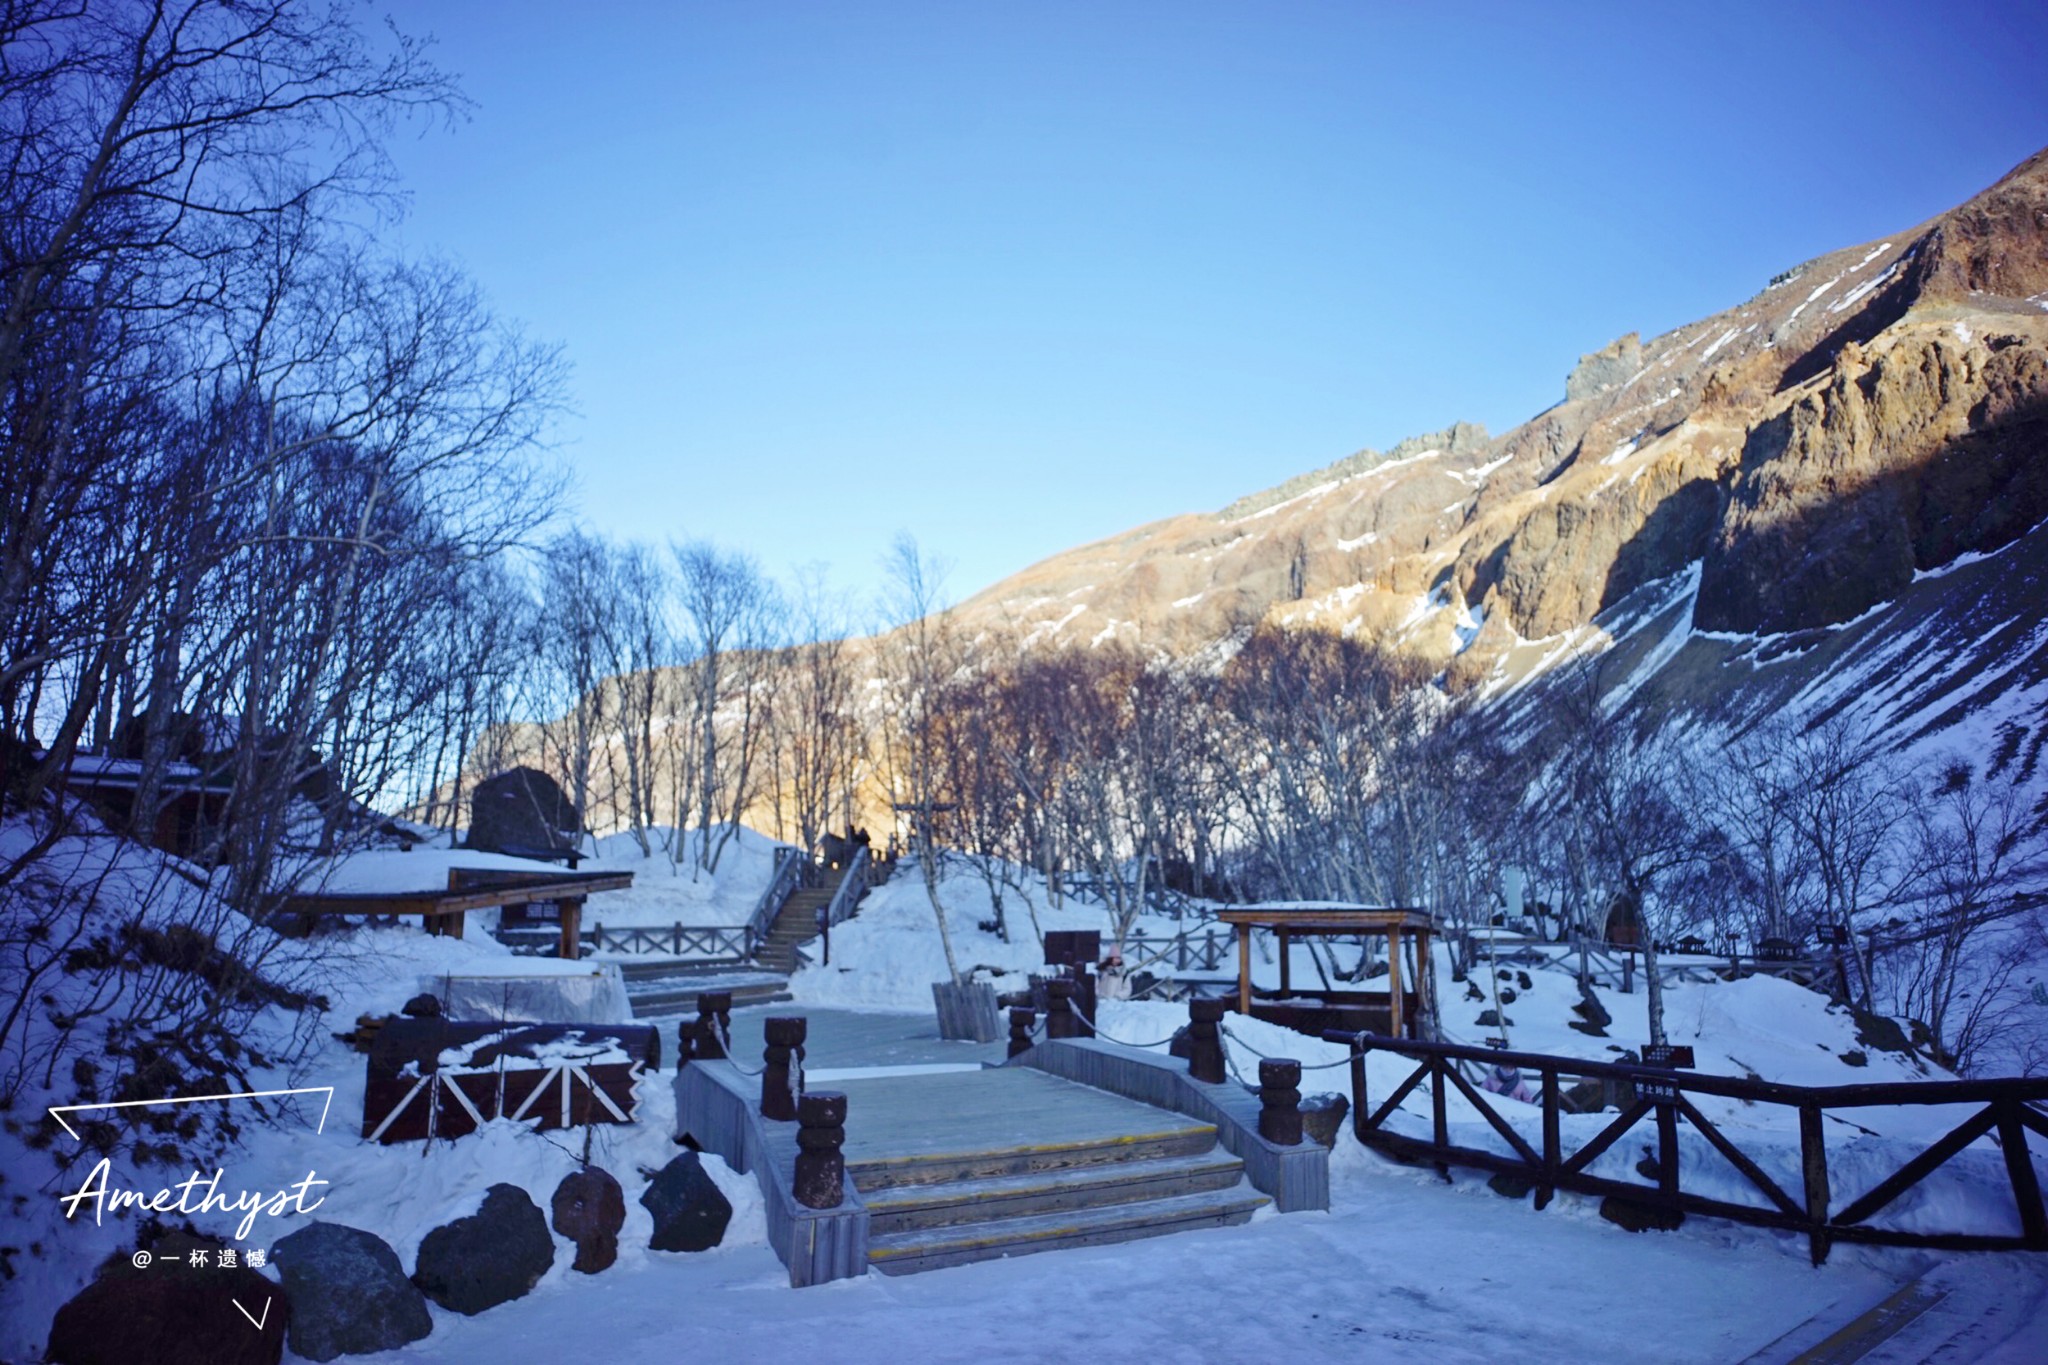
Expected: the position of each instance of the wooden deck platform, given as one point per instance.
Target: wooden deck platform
(949, 1167)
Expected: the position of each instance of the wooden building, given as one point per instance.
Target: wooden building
(1399, 1010)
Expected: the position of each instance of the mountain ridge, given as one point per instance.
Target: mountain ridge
(1866, 416)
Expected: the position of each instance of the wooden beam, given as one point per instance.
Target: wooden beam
(1244, 970)
(1394, 982)
(451, 903)
(572, 928)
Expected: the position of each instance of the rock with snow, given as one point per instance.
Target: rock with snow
(589, 1209)
(1322, 1116)
(1607, 368)
(491, 1257)
(173, 1313)
(690, 1212)
(348, 1292)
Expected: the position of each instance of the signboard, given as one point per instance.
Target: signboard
(1072, 947)
(1665, 1056)
(1831, 935)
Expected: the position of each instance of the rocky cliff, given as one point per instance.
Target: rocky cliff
(1797, 460)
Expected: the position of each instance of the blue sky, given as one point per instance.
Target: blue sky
(1013, 277)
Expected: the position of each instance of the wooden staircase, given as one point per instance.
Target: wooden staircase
(797, 924)
(1146, 1173)
(658, 989)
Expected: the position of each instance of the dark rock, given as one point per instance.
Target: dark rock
(1881, 1032)
(589, 1209)
(1589, 1096)
(690, 1211)
(1592, 1011)
(348, 1292)
(1492, 1019)
(1590, 1030)
(1639, 1217)
(1322, 1116)
(1507, 995)
(1856, 1058)
(522, 809)
(1510, 1186)
(419, 1007)
(173, 1313)
(493, 1256)
(1472, 991)
(1525, 981)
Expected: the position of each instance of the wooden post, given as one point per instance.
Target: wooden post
(714, 1023)
(1286, 964)
(782, 1071)
(1059, 1009)
(572, 928)
(1205, 1041)
(1359, 1109)
(1084, 996)
(1022, 1019)
(1553, 1144)
(1394, 983)
(685, 1042)
(1280, 1100)
(2019, 1168)
(820, 1167)
(1667, 1149)
(1244, 970)
(1813, 1157)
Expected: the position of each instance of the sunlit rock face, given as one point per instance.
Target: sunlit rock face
(1868, 416)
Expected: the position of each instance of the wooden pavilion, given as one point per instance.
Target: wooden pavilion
(469, 889)
(1393, 1011)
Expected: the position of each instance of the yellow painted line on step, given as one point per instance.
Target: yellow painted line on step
(1875, 1327)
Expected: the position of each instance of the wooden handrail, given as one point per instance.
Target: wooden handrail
(2009, 1108)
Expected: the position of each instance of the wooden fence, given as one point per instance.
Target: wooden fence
(2010, 1109)
(1187, 951)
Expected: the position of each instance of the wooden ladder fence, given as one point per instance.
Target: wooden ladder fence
(2008, 1108)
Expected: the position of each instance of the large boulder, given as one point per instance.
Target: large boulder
(690, 1211)
(173, 1313)
(349, 1293)
(491, 1257)
(589, 1209)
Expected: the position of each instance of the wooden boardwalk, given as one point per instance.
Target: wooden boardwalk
(903, 1120)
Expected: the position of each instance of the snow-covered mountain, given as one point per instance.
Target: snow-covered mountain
(1836, 486)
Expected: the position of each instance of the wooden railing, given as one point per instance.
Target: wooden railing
(789, 870)
(851, 887)
(2010, 1109)
(1186, 951)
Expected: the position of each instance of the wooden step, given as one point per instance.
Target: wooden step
(909, 1208)
(906, 1253)
(1174, 1137)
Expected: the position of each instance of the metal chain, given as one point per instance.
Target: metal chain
(1305, 1066)
(1076, 1008)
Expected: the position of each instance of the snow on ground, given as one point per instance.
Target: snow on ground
(670, 888)
(1402, 1267)
(888, 956)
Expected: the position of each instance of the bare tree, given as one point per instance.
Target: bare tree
(920, 657)
(732, 621)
